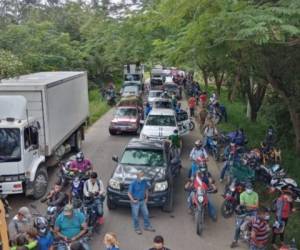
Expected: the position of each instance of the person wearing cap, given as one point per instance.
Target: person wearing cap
(198, 152)
(158, 243)
(138, 195)
(175, 142)
(70, 226)
(20, 223)
(249, 199)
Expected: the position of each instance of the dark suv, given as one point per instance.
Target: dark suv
(154, 159)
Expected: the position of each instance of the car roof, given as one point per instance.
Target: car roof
(162, 112)
(147, 144)
(159, 99)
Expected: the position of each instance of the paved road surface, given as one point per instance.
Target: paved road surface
(177, 228)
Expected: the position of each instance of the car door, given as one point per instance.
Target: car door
(183, 122)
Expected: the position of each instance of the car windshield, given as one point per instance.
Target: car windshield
(170, 87)
(161, 120)
(126, 112)
(145, 157)
(10, 147)
(163, 105)
(155, 93)
(132, 77)
(131, 89)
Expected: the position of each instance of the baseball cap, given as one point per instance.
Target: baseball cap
(68, 209)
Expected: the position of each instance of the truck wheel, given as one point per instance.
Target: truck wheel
(78, 141)
(168, 206)
(110, 204)
(40, 183)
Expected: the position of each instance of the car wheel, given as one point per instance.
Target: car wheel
(112, 132)
(168, 206)
(110, 204)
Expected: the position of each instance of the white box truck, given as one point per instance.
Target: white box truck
(42, 117)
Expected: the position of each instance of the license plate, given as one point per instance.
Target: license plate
(123, 128)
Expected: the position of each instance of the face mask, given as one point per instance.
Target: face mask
(249, 191)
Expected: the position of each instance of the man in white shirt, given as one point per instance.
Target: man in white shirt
(94, 189)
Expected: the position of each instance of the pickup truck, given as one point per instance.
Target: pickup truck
(42, 117)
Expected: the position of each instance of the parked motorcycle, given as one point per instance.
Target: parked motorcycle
(281, 183)
(265, 174)
(231, 198)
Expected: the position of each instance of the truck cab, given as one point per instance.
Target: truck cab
(19, 150)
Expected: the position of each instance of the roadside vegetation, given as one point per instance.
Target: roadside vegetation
(97, 106)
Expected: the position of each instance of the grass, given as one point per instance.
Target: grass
(255, 133)
(98, 107)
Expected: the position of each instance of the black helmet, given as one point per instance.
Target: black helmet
(79, 157)
(41, 224)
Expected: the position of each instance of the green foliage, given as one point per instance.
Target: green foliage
(98, 107)
(10, 65)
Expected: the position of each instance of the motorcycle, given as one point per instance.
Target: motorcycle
(281, 183)
(291, 246)
(191, 124)
(77, 192)
(67, 174)
(213, 148)
(201, 163)
(265, 174)
(231, 198)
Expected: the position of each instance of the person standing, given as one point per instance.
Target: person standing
(175, 142)
(283, 209)
(192, 105)
(110, 241)
(158, 243)
(138, 195)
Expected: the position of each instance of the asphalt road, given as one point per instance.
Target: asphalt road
(178, 228)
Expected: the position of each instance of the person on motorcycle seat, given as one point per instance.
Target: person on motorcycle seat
(197, 153)
(71, 226)
(81, 164)
(45, 237)
(94, 189)
(207, 184)
(210, 131)
(239, 137)
(230, 155)
(56, 197)
(249, 199)
(23, 241)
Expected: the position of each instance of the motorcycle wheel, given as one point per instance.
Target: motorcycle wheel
(191, 125)
(199, 221)
(227, 209)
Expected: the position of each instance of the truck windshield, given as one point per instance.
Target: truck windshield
(10, 147)
(161, 120)
(132, 77)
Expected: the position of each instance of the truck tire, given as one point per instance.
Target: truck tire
(110, 204)
(168, 206)
(78, 141)
(40, 183)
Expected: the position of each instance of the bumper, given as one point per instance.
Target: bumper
(157, 199)
(125, 129)
(16, 187)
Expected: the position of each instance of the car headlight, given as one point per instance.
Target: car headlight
(114, 184)
(200, 198)
(161, 186)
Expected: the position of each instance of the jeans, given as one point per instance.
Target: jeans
(224, 170)
(83, 241)
(252, 247)
(135, 209)
(99, 204)
(192, 112)
(210, 206)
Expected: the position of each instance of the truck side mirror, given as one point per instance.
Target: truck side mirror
(115, 158)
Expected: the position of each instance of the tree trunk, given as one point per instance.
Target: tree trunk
(253, 115)
(218, 81)
(235, 87)
(205, 78)
(295, 118)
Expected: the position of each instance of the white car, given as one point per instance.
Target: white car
(153, 94)
(161, 103)
(160, 124)
(131, 90)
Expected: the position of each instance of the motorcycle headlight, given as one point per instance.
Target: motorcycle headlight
(114, 184)
(200, 198)
(161, 186)
(232, 189)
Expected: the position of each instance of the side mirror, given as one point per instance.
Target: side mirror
(115, 158)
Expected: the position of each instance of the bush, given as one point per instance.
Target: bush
(97, 106)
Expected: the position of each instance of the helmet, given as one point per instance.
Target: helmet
(79, 157)
(198, 143)
(41, 224)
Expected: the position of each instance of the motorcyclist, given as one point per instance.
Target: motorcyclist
(81, 164)
(56, 198)
(209, 132)
(70, 226)
(230, 154)
(204, 181)
(249, 199)
(198, 152)
(45, 237)
(239, 137)
(94, 189)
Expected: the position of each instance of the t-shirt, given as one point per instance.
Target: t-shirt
(203, 98)
(261, 231)
(192, 102)
(175, 139)
(70, 227)
(249, 199)
(138, 189)
(45, 242)
(82, 166)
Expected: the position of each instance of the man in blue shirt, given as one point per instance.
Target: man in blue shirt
(70, 226)
(138, 195)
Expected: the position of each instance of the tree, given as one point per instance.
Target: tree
(10, 65)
